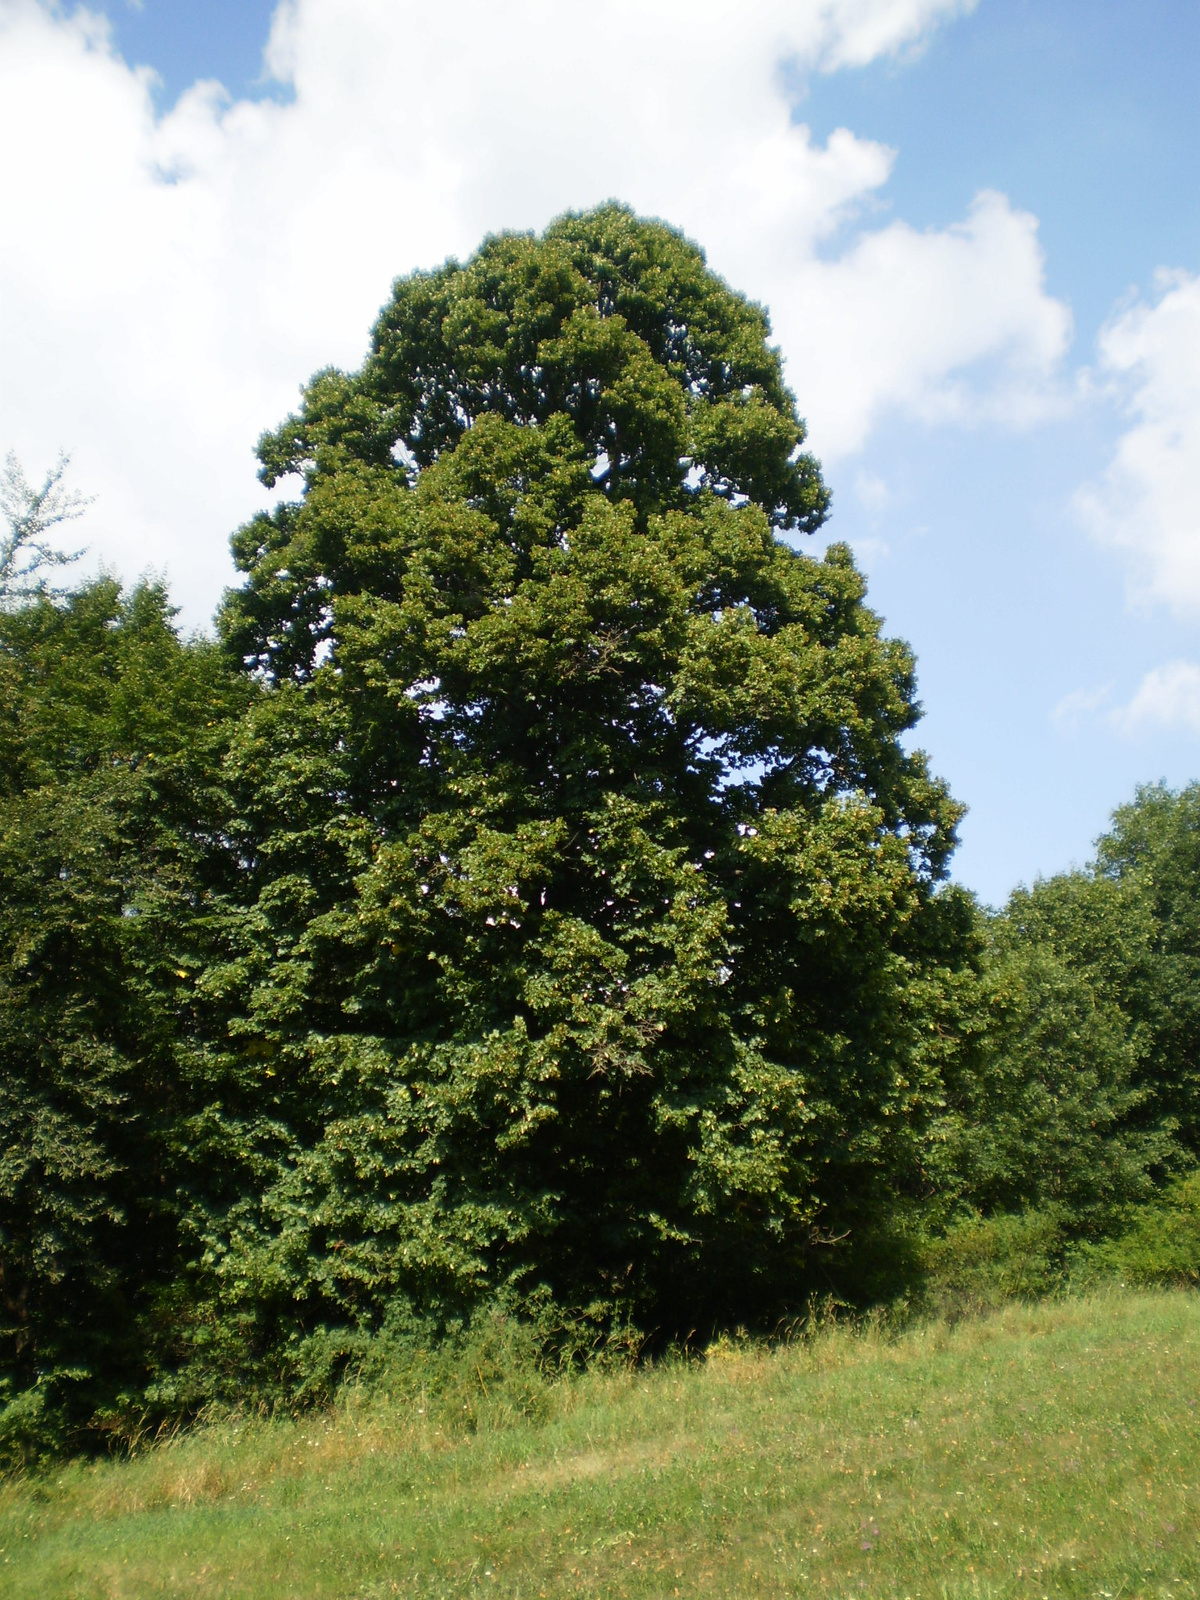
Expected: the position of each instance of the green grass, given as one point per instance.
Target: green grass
(1045, 1451)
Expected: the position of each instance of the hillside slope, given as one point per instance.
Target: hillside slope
(1045, 1451)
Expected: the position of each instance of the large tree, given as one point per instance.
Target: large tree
(598, 891)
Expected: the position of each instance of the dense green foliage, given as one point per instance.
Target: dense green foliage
(532, 899)
(1108, 966)
(600, 886)
(1047, 1103)
(111, 740)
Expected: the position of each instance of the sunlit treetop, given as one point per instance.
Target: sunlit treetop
(666, 374)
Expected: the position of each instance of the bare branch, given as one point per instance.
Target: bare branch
(29, 514)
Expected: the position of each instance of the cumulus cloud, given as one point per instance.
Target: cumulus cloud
(167, 281)
(1147, 502)
(1167, 697)
(904, 319)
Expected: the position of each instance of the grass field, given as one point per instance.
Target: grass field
(1051, 1451)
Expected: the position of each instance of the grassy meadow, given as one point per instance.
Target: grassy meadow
(1051, 1450)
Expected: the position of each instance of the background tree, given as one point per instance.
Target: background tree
(29, 514)
(110, 877)
(1151, 855)
(1046, 1103)
(1074, 1082)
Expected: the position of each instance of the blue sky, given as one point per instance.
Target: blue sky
(185, 40)
(1088, 116)
(1005, 503)
(1086, 113)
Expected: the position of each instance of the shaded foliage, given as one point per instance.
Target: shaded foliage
(111, 740)
(1152, 856)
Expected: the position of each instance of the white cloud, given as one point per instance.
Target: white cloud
(1167, 697)
(1076, 707)
(1147, 503)
(902, 318)
(166, 283)
(860, 31)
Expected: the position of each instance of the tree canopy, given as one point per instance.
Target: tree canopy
(533, 897)
(608, 881)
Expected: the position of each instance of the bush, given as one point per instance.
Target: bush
(981, 1263)
(1159, 1247)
